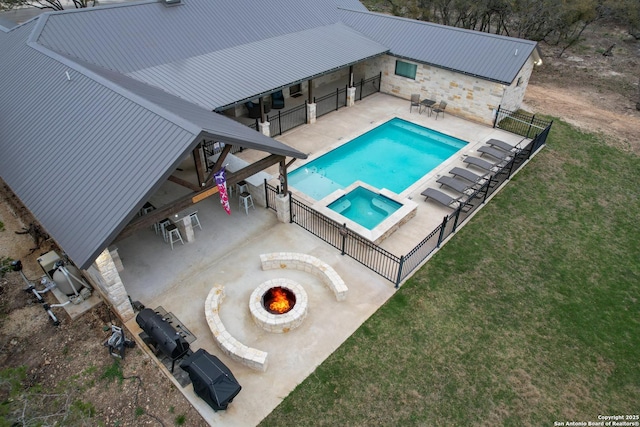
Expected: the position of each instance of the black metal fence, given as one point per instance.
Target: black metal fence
(331, 102)
(520, 123)
(368, 86)
(392, 267)
(283, 121)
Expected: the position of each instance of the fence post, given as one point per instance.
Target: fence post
(486, 193)
(443, 226)
(279, 122)
(257, 128)
(291, 214)
(266, 193)
(513, 162)
(343, 233)
(530, 124)
(337, 98)
(455, 221)
(306, 111)
(361, 87)
(495, 119)
(379, 80)
(400, 264)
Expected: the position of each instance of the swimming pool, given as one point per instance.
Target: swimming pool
(393, 155)
(365, 207)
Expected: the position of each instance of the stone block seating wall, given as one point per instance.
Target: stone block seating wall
(251, 357)
(310, 264)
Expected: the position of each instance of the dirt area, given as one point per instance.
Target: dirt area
(593, 92)
(81, 384)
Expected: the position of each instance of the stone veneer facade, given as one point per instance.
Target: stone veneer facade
(467, 96)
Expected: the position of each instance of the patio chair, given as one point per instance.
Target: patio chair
(504, 146)
(468, 175)
(442, 198)
(277, 100)
(494, 152)
(481, 163)
(439, 109)
(415, 102)
(455, 184)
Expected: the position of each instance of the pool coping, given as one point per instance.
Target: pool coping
(379, 232)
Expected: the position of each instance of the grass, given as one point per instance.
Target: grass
(529, 315)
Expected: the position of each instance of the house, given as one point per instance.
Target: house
(99, 106)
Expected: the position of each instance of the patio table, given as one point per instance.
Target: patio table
(427, 104)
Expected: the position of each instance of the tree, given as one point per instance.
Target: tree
(45, 4)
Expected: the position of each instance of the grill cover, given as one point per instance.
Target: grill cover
(162, 334)
(211, 379)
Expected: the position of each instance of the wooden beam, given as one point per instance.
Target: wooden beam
(200, 163)
(190, 199)
(184, 183)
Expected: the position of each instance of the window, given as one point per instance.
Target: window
(405, 69)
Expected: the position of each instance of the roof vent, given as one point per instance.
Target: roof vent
(171, 2)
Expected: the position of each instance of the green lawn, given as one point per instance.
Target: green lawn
(530, 314)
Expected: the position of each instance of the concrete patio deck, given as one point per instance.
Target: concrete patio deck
(227, 252)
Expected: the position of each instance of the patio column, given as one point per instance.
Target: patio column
(104, 273)
(351, 96)
(311, 113)
(263, 127)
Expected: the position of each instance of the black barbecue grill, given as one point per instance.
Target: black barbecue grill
(212, 380)
(161, 336)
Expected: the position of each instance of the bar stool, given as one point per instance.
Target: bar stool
(245, 200)
(174, 234)
(242, 187)
(148, 207)
(161, 226)
(194, 220)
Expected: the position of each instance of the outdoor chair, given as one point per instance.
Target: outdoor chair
(494, 152)
(502, 145)
(481, 163)
(468, 175)
(455, 184)
(439, 109)
(442, 198)
(415, 102)
(253, 109)
(277, 100)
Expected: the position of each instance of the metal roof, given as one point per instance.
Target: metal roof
(261, 66)
(487, 56)
(133, 36)
(82, 177)
(128, 92)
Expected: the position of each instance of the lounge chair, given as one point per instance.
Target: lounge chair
(455, 184)
(494, 152)
(502, 145)
(442, 198)
(415, 102)
(277, 100)
(439, 109)
(480, 163)
(468, 175)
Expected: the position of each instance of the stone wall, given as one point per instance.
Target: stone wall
(468, 97)
(514, 94)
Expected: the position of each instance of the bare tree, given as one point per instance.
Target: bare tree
(44, 4)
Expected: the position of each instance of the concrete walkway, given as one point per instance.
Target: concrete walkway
(226, 252)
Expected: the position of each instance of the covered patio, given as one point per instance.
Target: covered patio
(227, 252)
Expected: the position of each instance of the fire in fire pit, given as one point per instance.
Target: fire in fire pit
(278, 300)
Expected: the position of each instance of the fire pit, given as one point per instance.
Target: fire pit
(278, 305)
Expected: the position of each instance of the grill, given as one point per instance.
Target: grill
(161, 336)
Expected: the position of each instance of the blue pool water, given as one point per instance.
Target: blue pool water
(394, 155)
(365, 207)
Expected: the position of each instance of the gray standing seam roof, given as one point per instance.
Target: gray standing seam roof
(69, 76)
(84, 182)
(487, 56)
